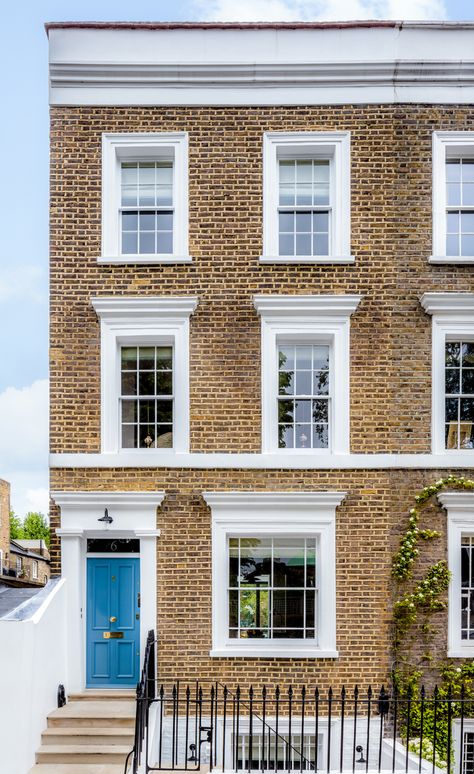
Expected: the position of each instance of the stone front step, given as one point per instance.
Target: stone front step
(77, 768)
(59, 735)
(103, 694)
(74, 753)
(94, 714)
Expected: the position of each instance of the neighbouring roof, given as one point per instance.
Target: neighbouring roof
(321, 25)
(16, 547)
(11, 597)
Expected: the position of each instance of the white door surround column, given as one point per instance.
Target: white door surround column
(134, 515)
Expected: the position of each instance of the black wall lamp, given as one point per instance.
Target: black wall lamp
(106, 519)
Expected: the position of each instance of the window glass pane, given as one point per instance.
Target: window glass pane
(303, 244)
(289, 562)
(129, 436)
(303, 383)
(453, 170)
(254, 610)
(452, 353)
(304, 357)
(164, 436)
(164, 383)
(288, 609)
(453, 246)
(321, 244)
(286, 358)
(286, 244)
(147, 437)
(467, 244)
(320, 411)
(303, 410)
(146, 358)
(164, 358)
(320, 357)
(130, 221)
(129, 411)
(303, 436)
(286, 436)
(147, 414)
(452, 380)
(321, 382)
(320, 437)
(146, 383)
(467, 382)
(468, 354)
(164, 243)
(468, 194)
(129, 358)
(164, 411)
(129, 243)
(255, 561)
(129, 383)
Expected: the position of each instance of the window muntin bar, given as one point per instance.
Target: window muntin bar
(272, 588)
(304, 207)
(459, 395)
(146, 400)
(147, 211)
(303, 396)
(460, 206)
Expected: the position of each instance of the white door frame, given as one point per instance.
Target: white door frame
(134, 516)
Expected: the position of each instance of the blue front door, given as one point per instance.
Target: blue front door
(113, 625)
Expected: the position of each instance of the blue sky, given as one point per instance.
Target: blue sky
(24, 199)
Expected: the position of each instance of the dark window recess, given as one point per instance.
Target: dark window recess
(113, 546)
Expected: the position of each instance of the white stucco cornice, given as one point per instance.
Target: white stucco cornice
(338, 305)
(448, 303)
(111, 308)
(457, 501)
(271, 64)
(104, 499)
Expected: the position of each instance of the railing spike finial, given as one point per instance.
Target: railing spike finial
(316, 693)
(290, 692)
(356, 692)
(162, 691)
(369, 692)
(224, 691)
(237, 693)
(423, 691)
(251, 692)
(303, 692)
(277, 692)
(435, 692)
(330, 694)
(173, 692)
(463, 691)
(188, 692)
(264, 692)
(343, 693)
(212, 692)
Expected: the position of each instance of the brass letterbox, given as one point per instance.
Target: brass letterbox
(112, 635)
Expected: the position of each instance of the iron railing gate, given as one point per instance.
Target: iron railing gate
(191, 726)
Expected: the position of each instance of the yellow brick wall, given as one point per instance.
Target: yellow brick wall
(390, 350)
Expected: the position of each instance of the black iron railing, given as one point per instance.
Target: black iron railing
(188, 726)
(145, 695)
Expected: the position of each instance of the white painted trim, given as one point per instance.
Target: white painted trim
(458, 742)
(451, 304)
(135, 146)
(275, 513)
(334, 146)
(134, 321)
(460, 511)
(270, 461)
(262, 66)
(307, 259)
(315, 319)
(134, 515)
(453, 316)
(443, 144)
(327, 305)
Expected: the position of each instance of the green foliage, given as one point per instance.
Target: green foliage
(16, 527)
(33, 527)
(426, 596)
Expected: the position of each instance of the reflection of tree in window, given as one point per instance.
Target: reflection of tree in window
(459, 395)
(303, 396)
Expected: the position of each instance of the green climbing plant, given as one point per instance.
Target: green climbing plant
(415, 601)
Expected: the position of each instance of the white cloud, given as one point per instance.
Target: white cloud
(24, 444)
(319, 10)
(25, 283)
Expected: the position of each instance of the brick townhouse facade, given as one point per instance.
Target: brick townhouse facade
(261, 276)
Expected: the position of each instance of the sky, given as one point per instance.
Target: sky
(24, 192)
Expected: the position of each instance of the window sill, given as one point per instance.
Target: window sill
(271, 652)
(462, 259)
(307, 259)
(467, 652)
(144, 259)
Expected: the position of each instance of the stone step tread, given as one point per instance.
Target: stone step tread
(92, 709)
(77, 768)
(102, 695)
(87, 731)
(83, 749)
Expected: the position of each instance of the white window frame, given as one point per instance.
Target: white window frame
(307, 319)
(460, 510)
(19, 563)
(146, 321)
(117, 148)
(1, 562)
(34, 569)
(446, 144)
(453, 319)
(334, 146)
(253, 514)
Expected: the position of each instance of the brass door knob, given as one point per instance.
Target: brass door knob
(113, 619)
